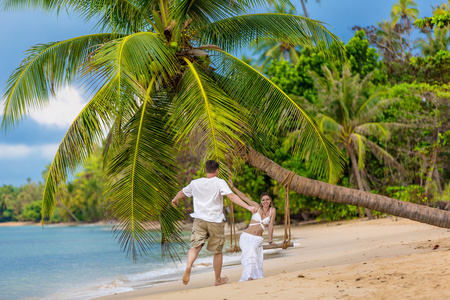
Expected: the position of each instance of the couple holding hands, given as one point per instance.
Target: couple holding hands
(207, 193)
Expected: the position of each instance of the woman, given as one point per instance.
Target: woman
(251, 240)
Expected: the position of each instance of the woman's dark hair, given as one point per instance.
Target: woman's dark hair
(266, 194)
(211, 166)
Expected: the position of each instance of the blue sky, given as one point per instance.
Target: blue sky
(26, 151)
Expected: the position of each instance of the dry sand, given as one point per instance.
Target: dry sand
(13, 224)
(381, 259)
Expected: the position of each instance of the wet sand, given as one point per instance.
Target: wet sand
(389, 258)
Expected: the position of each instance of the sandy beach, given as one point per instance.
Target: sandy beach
(389, 258)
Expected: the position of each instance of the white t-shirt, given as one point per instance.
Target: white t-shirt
(208, 198)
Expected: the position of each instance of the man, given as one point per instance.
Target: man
(208, 217)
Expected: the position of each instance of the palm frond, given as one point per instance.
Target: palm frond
(136, 62)
(124, 16)
(375, 129)
(140, 57)
(383, 155)
(373, 106)
(327, 123)
(25, 4)
(235, 33)
(360, 146)
(85, 132)
(141, 181)
(202, 110)
(205, 11)
(330, 90)
(46, 68)
(171, 231)
(294, 56)
(272, 110)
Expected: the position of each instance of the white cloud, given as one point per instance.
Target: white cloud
(62, 110)
(22, 151)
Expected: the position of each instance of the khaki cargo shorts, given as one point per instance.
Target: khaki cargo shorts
(203, 230)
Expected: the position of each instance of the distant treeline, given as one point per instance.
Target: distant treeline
(81, 196)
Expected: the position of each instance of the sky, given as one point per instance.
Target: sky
(25, 151)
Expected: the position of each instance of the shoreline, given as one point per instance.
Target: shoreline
(30, 223)
(377, 259)
(17, 224)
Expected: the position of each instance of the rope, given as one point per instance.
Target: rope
(287, 215)
(234, 248)
(242, 150)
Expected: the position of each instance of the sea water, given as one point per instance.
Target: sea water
(81, 262)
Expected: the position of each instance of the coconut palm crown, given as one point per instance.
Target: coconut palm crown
(349, 116)
(269, 49)
(162, 75)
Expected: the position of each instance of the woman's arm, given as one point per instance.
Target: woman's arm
(235, 198)
(245, 198)
(272, 221)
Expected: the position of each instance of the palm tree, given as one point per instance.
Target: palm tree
(407, 12)
(162, 74)
(347, 117)
(268, 49)
(434, 42)
(442, 8)
(439, 38)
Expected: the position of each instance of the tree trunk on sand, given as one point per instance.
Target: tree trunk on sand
(358, 177)
(339, 194)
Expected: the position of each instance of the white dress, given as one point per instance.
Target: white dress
(252, 250)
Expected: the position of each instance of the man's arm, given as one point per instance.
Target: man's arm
(245, 197)
(235, 199)
(178, 197)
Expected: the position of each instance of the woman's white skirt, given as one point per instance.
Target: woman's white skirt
(252, 256)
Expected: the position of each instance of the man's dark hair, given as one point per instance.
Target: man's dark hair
(211, 166)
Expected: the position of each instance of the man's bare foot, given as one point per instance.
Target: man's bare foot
(250, 278)
(186, 276)
(222, 280)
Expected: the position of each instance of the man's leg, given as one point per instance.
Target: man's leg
(217, 263)
(215, 244)
(191, 257)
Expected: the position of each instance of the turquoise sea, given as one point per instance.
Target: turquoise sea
(80, 262)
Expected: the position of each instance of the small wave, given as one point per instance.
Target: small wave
(89, 292)
(164, 273)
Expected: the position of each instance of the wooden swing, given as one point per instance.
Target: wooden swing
(287, 221)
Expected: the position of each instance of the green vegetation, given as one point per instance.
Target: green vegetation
(82, 196)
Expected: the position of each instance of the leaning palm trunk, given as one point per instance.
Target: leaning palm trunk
(339, 194)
